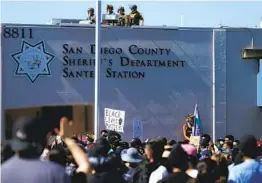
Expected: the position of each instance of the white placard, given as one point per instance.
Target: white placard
(110, 17)
(114, 120)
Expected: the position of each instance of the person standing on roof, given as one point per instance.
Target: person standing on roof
(122, 16)
(110, 9)
(91, 16)
(135, 16)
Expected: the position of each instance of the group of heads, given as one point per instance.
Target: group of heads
(116, 143)
(170, 153)
(110, 9)
(246, 146)
(155, 150)
(228, 142)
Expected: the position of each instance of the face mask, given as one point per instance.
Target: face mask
(221, 142)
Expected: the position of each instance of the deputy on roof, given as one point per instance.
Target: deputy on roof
(91, 16)
(135, 16)
(110, 9)
(122, 17)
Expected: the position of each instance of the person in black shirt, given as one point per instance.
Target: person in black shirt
(6, 152)
(153, 151)
(187, 128)
(104, 168)
(178, 160)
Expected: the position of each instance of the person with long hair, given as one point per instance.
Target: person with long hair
(188, 126)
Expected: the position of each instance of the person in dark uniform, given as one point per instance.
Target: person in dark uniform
(110, 9)
(91, 16)
(135, 16)
(136, 143)
(122, 16)
(187, 128)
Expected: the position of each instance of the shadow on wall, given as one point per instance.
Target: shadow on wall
(81, 115)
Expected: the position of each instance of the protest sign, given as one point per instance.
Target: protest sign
(195, 140)
(137, 129)
(114, 120)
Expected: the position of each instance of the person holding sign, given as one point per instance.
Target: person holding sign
(188, 126)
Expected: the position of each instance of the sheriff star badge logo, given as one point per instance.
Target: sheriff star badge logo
(33, 61)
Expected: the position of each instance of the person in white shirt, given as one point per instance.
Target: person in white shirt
(157, 175)
(161, 172)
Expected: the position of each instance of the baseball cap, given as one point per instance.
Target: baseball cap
(167, 151)
(131, 155)
(28, 132)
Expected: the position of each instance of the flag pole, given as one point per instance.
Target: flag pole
(97, 67)
(194, 122)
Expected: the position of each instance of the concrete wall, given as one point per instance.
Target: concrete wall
(236, 110)
(164, 96)
(243, 115)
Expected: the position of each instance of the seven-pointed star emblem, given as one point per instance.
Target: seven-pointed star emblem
(32, 61)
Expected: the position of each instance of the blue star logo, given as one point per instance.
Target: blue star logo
(33, 61)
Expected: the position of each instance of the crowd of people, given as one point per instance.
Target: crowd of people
(133, 18)
(38, 153)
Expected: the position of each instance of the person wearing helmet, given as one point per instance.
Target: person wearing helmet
(91, 16)
(135, 16)
(114, 139)
(110, 9)
(187, 128)
(122, 16)
(136, 143)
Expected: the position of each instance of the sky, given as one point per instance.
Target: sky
(156, 13)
